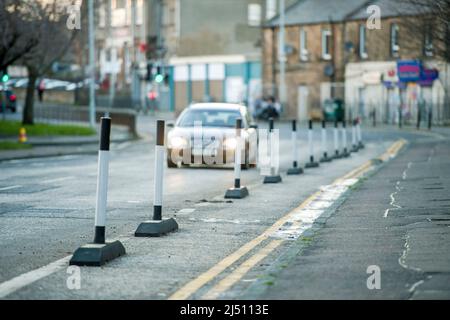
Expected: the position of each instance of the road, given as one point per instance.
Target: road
(47, 211)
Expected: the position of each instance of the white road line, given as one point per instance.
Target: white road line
(10, 286)
(19, 282)
(10, 188)
(57, 179)
(123, 145)
(186, 211)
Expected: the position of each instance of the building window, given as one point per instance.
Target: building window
(303, 45)
(362, 42)
(395, 48)
(254, 15)
(271, 9)
(428, 43)
(119, 4)
(326, 44)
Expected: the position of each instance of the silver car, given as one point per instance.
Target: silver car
(205, 134)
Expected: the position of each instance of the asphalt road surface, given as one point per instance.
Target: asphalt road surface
(47, 211)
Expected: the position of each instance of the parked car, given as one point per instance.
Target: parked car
(8, 98)
(218, 135)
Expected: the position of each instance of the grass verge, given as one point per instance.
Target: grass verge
(11, 145)
(11, 128)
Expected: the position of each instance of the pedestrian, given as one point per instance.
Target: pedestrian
(40, 90)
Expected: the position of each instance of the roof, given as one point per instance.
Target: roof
(216, 105)
(390, 8)
(320, 11)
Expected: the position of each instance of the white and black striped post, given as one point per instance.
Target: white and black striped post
(311, 163)
(274, 176)
(295, 167)
(158, 226)
(237, 192)
(325, 157)
(358, 131)
(100, 251)
(345, 153)
(337, 154)
(355, 147)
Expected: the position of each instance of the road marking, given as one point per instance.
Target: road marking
(186, 211)
(237, 274)
(10, 188)
(58, 179)
(191, 287)
(28, 278)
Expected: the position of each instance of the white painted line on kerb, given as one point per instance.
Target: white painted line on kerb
(10, 286)
(10, 188)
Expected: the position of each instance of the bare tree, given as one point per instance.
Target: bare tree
(54, 40)
(17, 31)
(428, 28)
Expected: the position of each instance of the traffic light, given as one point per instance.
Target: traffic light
(159, 77)
(4, 75)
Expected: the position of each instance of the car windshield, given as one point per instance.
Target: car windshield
(209, 118)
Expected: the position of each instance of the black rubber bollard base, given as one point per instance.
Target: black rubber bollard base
(361, 145)
(326, 159)
(312, 164)
(337, 156)
(293, 171)
(355, 149)
(156, 228)
(96, 255)
(236, 193)
(345, 154)
(272, 179)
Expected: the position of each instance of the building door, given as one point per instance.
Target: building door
(302, 103)
(361, 101)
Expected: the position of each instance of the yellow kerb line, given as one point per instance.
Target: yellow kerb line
(237, 274)
(191, 287)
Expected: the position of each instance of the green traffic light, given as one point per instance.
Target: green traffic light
(159, 78)
(5, 78)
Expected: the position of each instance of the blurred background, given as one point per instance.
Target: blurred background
(382, 60)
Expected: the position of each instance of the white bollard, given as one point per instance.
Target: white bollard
(100, 251)
(325, 157)
(274, 176)
(158, 226)
(354, 145)
(345, 152)
(337, 154)
(311, 163)
(237, 192)
(358, 130)
(295, 168)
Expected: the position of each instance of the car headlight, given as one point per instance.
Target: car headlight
(230, 143)
(177, 142)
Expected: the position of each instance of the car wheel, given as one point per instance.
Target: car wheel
(170, 163)
(246, 164)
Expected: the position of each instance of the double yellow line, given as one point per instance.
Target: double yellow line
(226, 283)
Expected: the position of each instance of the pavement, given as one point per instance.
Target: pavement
(223, 247)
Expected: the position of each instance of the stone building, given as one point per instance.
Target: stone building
(333, 54)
